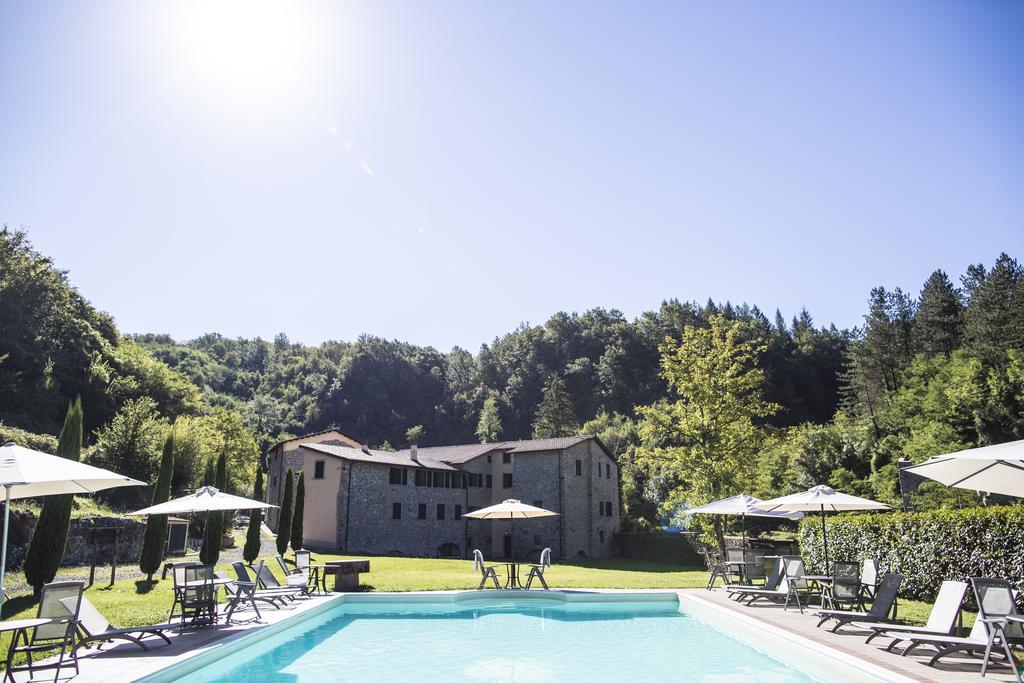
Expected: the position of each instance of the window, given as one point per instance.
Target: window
(600, 535)
(489, 481)
(536, 539)
(458, 512)
(538, 503)
(396, 476)
(437, 479)
(396, 511)
(440, 510)
(579, 468)
(274, 481)
(598, 471)
(421, 512)
(608, 470)
(506, 458)
(318, 469)
(488, 458)
(421, 478)
(600, 508)
(506, 480)
(608, 505)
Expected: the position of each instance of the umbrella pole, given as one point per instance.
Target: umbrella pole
(743, 533)
(3, 552)
(824, 538)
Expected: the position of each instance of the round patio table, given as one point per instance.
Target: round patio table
(20, 627)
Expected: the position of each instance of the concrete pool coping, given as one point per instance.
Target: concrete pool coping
(193, 650)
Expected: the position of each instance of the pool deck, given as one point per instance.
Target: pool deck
(850, 641)
(126, 662)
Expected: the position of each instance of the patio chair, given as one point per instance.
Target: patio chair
(537, 570)
(178, 576)
(998, 624)
(237, 600)
(93, 627)
(487, 571)
(295, 578)
(199, 602)
(716, 568)
(880, 608)
(941, 620)
(735, 560)
(868, 580)
(60, 602)
(845, 588)
(282, 594)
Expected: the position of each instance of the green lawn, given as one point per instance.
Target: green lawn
(133, 602)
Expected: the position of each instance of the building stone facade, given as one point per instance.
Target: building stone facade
(413, 502)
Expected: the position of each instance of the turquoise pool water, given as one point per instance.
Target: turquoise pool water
(495, 640)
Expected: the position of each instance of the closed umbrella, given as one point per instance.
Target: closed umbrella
(25, 473)
(822, 499)
(744, 506)
(991, 469)
(510, 509)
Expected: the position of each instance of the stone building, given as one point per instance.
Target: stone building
(413, 502)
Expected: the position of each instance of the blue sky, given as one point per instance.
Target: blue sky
(440, 172)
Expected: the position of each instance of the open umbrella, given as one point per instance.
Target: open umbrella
(744, 506)
(822, 499)
(991, 469)
(25, 473)
(510, 509)
(205, 499)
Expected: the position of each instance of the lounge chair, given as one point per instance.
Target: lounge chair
(880, 608)
(537, 570)
(487, 571)
(279, 592)
(93, 627)
(295, 578)
(266, 578)
(772, 579)
(790, 587)
(60, 602)
(998, 624)
(941, 620)
(271, 598)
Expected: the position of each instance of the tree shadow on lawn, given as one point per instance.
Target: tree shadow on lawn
(628, 565)
(17, 604)
(142, 586)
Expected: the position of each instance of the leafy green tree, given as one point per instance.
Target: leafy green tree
(46, 549)
(209, 553)
(488, 427)
(156, 525)
(131, 445)
(938, 323)
(709, 434)
(414, 435)
(284, 520)
(252, 536)
(555, 416)
(299, 513)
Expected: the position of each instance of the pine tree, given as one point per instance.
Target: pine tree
(156, 525)
(46, 549)
(989, 318)
(297, 516)
(938, 323)
(555, 416)
(252, 536)
(210, 551)
(284, 519)
(488, 428)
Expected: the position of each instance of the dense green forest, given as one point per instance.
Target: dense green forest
(924, 374)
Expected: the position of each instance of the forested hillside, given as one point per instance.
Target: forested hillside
(926, 373)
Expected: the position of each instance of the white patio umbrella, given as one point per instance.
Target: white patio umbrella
(205, 499)
(510, 509)
(822, 499)
(991, 469)
(744, 506)
(25, 473)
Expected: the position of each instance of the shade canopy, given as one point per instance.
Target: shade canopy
(991, 469)
(206, 499)
(510, 509)
(745, 506)
(821, 499)
(30, 474)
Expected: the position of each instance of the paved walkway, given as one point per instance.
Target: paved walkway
(952, 669)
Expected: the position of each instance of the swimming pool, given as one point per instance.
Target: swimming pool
(486, 636)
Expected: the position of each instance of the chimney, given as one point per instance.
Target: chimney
(413, 453)
(366, 449)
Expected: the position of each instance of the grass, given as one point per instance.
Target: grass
(135, 602)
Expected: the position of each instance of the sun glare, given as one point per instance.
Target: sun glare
(244, 50)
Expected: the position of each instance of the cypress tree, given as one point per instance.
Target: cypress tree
(938, 323)
(555, 416)
(252, 536)
(210, 552)
(46, 549)
(300, 506)
(284, 519)
(156, 525)
(488, 428)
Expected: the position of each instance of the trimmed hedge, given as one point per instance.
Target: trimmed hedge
(659, 547)
(926, 547)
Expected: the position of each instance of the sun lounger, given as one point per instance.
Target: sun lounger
(275, 591)
(885, 597)
(93, 627)
(772, 579)
(266, 578)
(941, 620)
(791, 586)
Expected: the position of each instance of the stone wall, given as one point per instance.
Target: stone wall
(586, 532)
(78, 551)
